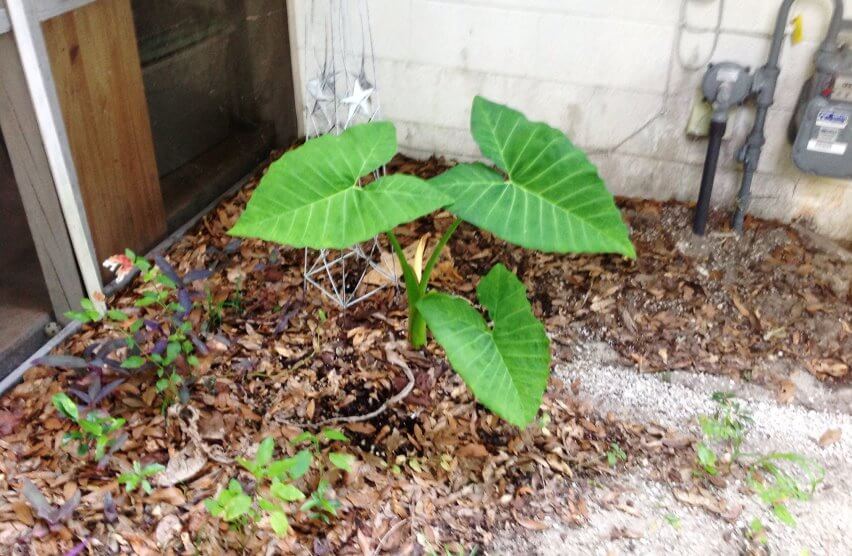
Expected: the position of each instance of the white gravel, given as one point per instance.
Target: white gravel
(675, 400)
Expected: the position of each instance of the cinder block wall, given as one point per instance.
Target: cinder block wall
(609, 74)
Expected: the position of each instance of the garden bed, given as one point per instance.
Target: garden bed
(434, 469)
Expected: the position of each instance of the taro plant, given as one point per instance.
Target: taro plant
(543, 194)
(97, 432)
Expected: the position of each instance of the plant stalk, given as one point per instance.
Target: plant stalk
(415, 288)
(416, 323)
(436, 255)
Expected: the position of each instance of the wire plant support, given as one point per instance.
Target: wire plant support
(340, 92)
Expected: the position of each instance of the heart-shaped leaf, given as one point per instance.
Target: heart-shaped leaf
(506, 365)
(312, 196)
(551, 197)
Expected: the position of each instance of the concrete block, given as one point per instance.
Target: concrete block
(656, 11)
(475, 37)
(592, 51)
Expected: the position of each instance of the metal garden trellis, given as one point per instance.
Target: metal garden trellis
(340, 91)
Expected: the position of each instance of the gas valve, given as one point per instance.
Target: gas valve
(725, 85)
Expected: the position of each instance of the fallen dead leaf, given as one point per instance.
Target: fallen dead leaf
(829, 437)
(472, 451)
(182, 467)
(531, 524)
(786, 391)
(167, 529)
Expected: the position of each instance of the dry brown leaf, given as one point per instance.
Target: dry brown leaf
(182, 467)
(531, 524)
(829, 437)
(169, 527)
(171, 495)
(472, 451)
(829, 367)
(786, 391)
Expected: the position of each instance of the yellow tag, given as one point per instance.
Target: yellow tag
(798, 30)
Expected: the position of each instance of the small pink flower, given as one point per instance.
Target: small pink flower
(121, 265)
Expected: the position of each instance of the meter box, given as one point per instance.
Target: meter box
(823, 144)
(823, 140)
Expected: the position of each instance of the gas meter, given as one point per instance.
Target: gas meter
(821, 130)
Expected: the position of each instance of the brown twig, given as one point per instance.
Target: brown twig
(387, 534)
(392, 357)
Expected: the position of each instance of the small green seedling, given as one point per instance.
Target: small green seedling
(319, 505)
(615, 454)
(264, 467)
(232, 505)
(673, 520)
(138, 476)
(757, 531)
(275, 489)
(339, 460)
(776, 485)
(707, 458)
(88, 313)
(776, 477)
(96, 431)
(728, 424)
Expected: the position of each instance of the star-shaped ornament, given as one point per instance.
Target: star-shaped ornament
(360, 101)
(321, 93)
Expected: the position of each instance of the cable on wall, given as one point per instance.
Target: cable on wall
(675, 56)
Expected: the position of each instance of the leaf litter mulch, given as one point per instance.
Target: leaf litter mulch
(436, 471)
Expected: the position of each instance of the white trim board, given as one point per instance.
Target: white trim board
(43, 9)
(34, 59)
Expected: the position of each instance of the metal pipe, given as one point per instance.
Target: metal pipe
(702, 209)
(765, 82)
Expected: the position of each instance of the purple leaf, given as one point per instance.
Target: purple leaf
(160, 346)
(77, 550)
(114, 364)
(38, 502)
(94, 387)
(110, 510)
(168, 270)
(153, 326)
(111, 346)
(62, 361)
(233, 246)
(106, 391)
(200, 346)
(82, 396)
(67, 509)
(185, 301)
(196, 275)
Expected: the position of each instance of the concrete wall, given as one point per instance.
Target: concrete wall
(606, 72)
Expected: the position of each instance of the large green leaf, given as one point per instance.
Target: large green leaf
(507, 364)
(311, 196)
(551, 197)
